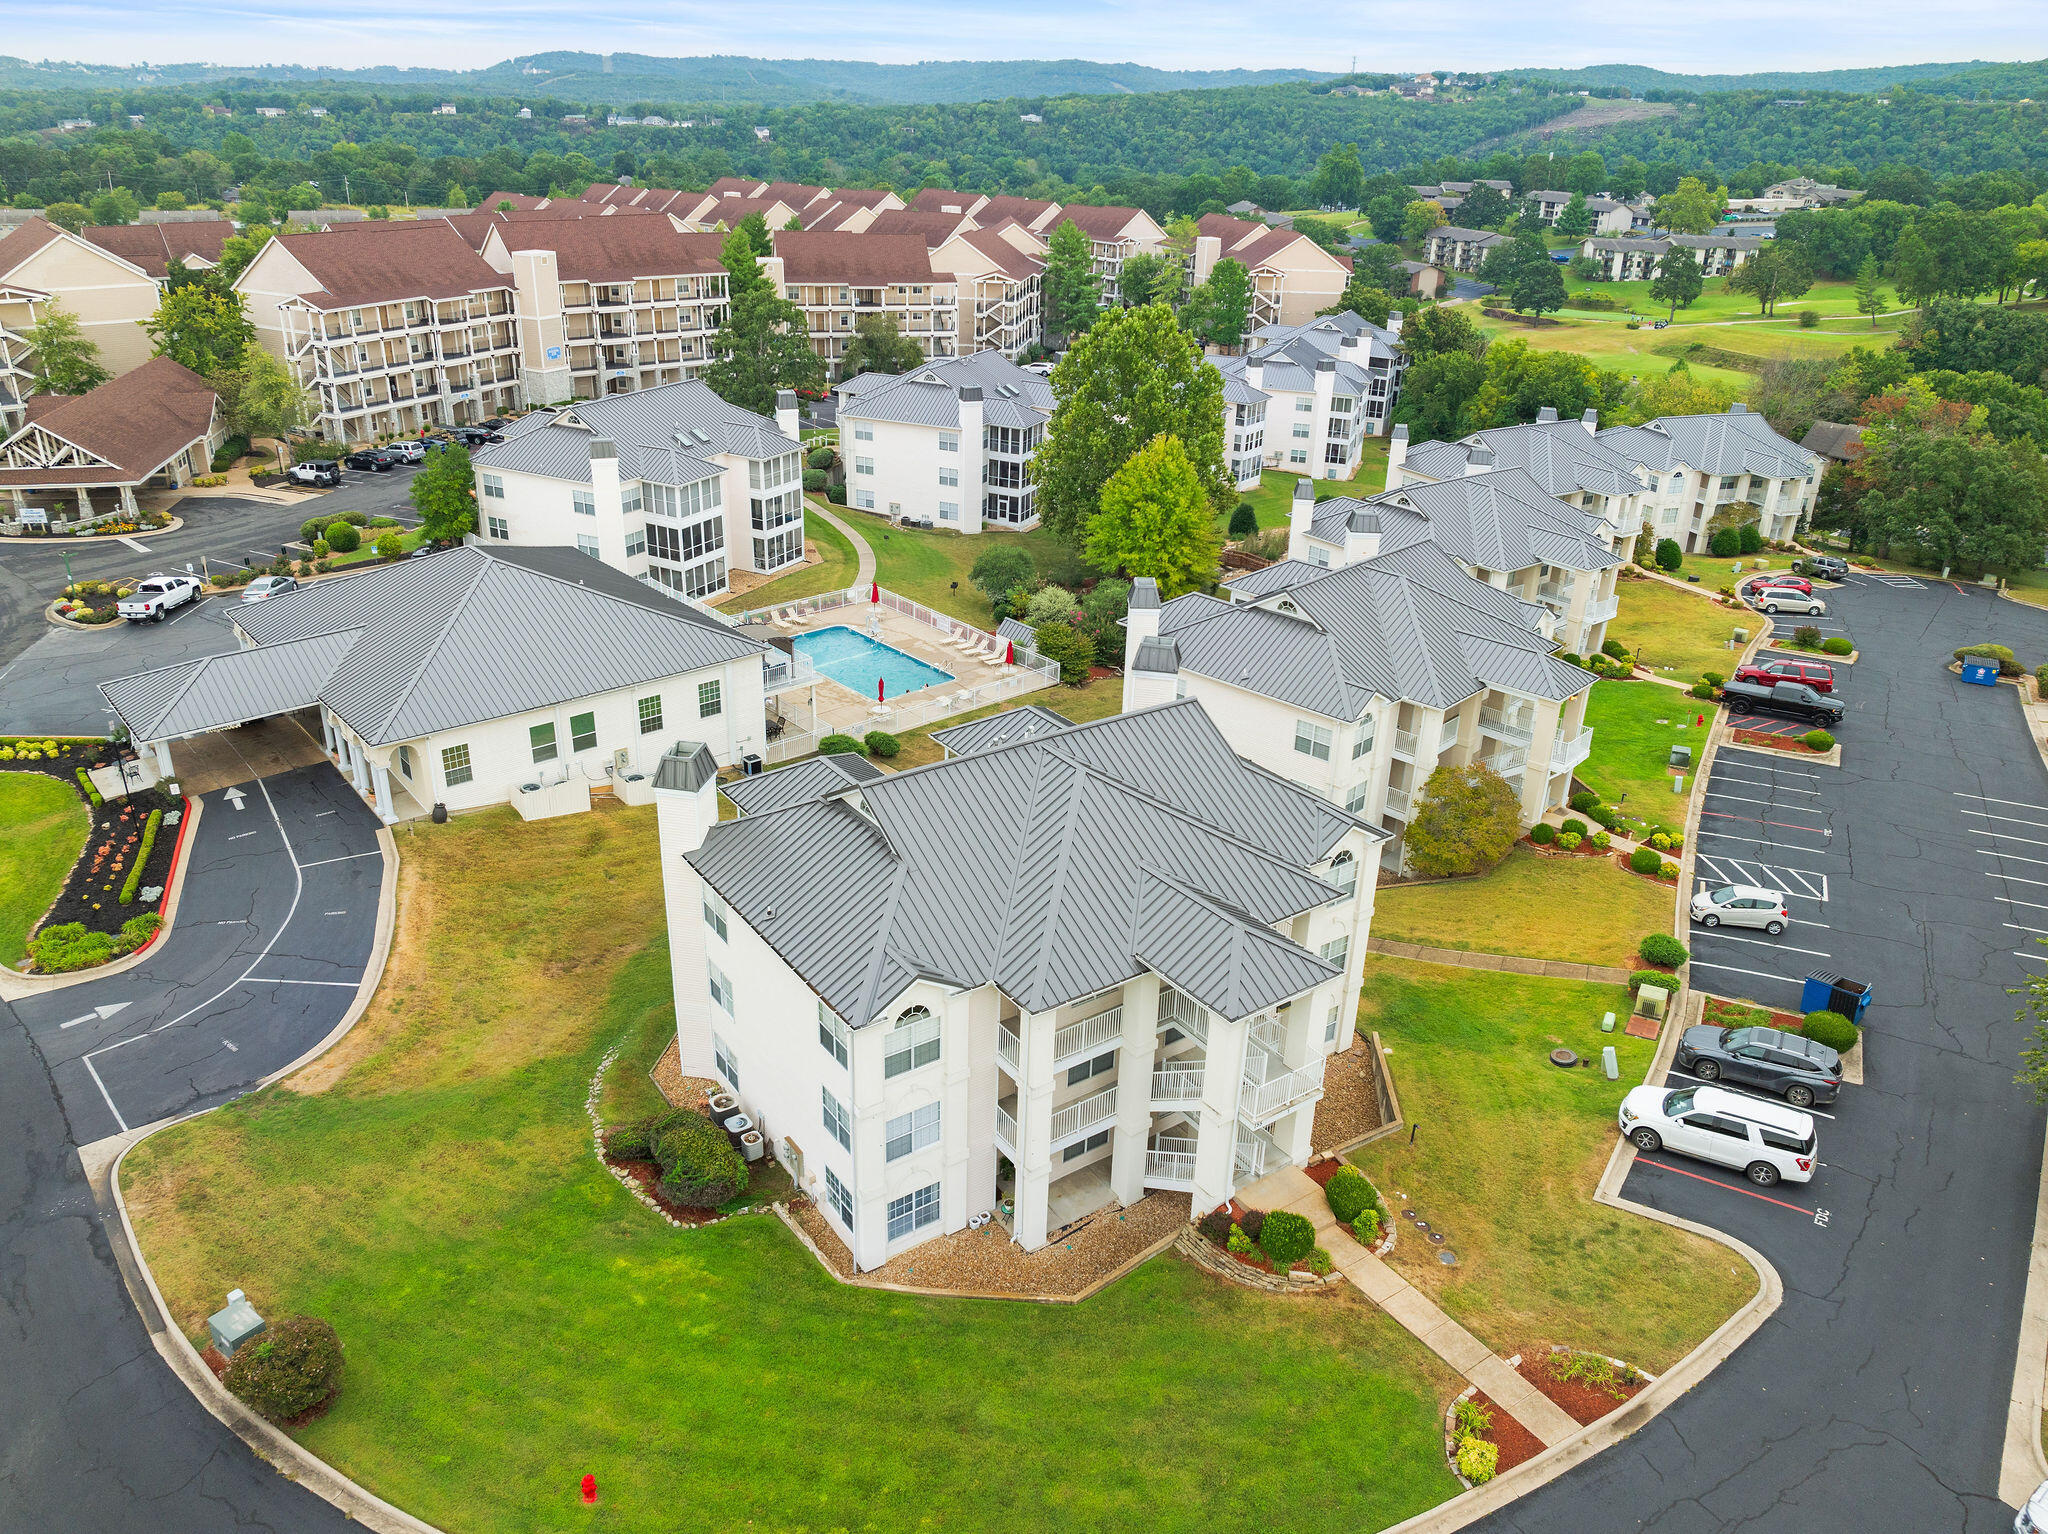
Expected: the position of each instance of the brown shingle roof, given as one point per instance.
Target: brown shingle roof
(936, 199)
(1231, 231)
(653, 199)
(154, 246)
(858, 260)
(731, 210)
(1098, 223)
(1834, 440)
(517, 199)
(616, 249)
(428, 259)
(795, 193)
(732, 186)
(862, 196)
(1008, 259)
(24, 240)
(933, 228)
(134, 424)
(1025, 210)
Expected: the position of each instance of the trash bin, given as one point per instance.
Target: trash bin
(1835, 993)
(1981, 670)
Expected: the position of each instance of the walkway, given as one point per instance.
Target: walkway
(1293, 1189)
(1502, 961)
(865, 574)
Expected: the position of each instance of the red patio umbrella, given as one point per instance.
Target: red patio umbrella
(1010, 653)
(875, 592)
(878, 691)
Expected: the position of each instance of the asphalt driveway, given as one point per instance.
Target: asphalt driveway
(1875, 1398)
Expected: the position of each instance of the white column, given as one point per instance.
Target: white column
(380, 778)
(1216, 1142)
(1034, 1127)
(163, 758)
(128, 499)
(1134, 1080)
(960, 1033)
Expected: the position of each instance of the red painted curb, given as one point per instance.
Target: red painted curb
(177, 851)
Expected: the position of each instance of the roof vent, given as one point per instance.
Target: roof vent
(703, 438)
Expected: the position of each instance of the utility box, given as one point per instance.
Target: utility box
(1651, 1001)
(1681, 756)
(234, 1324)
(1981, 670)
(1835, 993)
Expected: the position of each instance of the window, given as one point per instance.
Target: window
(709, 701)
(1340, 404)
(837, 1122)
(1344, 872)
(1312, 740)
(650, 714)
(1080, 1148)
(914, 1041)
(1297, 455)
(863, 434)
(583, 732)
(782, 549)
(864, 499)
(863, 465)
(497, 528)
(911, 1131)
(949, 442)
(543, 738)
(722, 1058)
(840, 1200)
(405, 760)
(455, 765)
(588, 546)
(1304, 405)
(1330, 1025)
(629, 498)
(1101, 1065)
(714, 914)
(949, 511)
(684, 501)
(583, 503)
(1301, 429)
(1355, 800)
(721, 988)
(1363, 744)
(831, 1034)
(949, 476)
(494, 486)
(1337, 950)
(636, 541)
(913, 1211)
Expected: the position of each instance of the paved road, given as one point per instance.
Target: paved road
(99, 1434)
(1875, 1398)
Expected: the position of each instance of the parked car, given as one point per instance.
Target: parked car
(1795, 700)
(1763, 1141)
(372, 458)
(156, 595)
(321, 473)
(1742, 905)
(1768, 673)
(475, 436)
(1769, 1059)
(407, 452)
(1826, 566)
(1042, 369)
(1781, 599)
(268, 586)
(2033, 1518)
(1782, 583)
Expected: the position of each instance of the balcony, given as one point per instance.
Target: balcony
(1507, 761)
(1077, 1119)
(1550, 594)
(1404, 744)
(1177, 1011)
(1177, 1082)
(1600, 609)
(1449, 737)
(1170, 1162)
(1006, 1131)
(800, 671)
(1398, 802)
(1009, 1048)
(1566, 752)
(1504, 726)
(1270, 1088)
(1079, 1040)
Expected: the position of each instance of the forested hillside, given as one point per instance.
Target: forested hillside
(1970, 79)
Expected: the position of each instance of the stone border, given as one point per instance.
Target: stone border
(69, 539)
(597, 1150)
(1465, 959)
(1189, 1243)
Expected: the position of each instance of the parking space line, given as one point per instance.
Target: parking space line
(346, 985)
(2043, 931)
(2011, 857)
(1758, 841)
(348, 859)
(1783, 825)
(1804, 876)
(2029, 841)
(2032, 905)
(1722, 1086)
(1763, 943)
(1789, 809)
(1811, 793)
(1696, 1177)
(1757, 973)
(2015, 878)
(2015, 803)
(2039, 825)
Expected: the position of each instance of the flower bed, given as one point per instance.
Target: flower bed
(1659, 877)
(93, 601)
(1586, 1386)
(1793, 744)
(1515, 1443)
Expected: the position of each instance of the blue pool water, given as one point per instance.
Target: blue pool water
(853, 660)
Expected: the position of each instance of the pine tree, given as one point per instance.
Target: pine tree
(1577, 219)
(1073, 292)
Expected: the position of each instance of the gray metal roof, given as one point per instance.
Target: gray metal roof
(434, 644)
(1737, 442)
(1054, 867)
(686, 767)
(1283, 575)
(1018, 632)
(1563, 457)
(670, 435)
(928, 394)
(811, 778)
(1157, 655)
(1501, 519)
(1004, 729)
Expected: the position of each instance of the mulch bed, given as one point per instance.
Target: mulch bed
(1320, 1172)
(1516, 1443)
(1787, 743)
(646, 1177)
(92, 891)
(1584, 1404)
(1621, 860)
(1728, 1014)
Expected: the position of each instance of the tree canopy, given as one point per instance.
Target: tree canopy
(67, 359)
(1073, 291)
(1156, 519)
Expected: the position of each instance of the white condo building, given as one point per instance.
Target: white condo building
(1305, 397)
(1695, 465)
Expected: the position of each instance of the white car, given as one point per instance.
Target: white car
(1787, 599)
(2033, 1518)
(156, 595)
(1765, 1142)
(1742, 905)
(268, 586)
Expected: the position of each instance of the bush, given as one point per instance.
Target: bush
(1604, 816)
(1818, 740)
(87, 787)
(342, 537)
(1749, 538)
(1469, 1419)
(1349, 1194)
(1656, 979)
(1667, 870)
(236, 447)
(142, 850)
(1543, 833)
(1244, 521)
(1703, 691)
(1643, 860)
(1574, 826)
(2007, 666)
(312, 530)
(699, 1167)
(1238, 1244)
(1583, 800)
(1835, 644)
(836, 494)
(1287, 1238)
(836, 745)
(627, 1143)
(137, 930)
(1725, 544)
(1215, 1226)
(1806, 636)
(1661, 948)
(1831, 1029)
(1477, 1460)
(390, 547)
(1367, 1228)
(814, 480)
(1602, 841)
(1809, 319)
(1252, 1222)
(1669, 555)
(356, 519)
(822, 458)
(1568, 841)
(1661, 840)
(1069, 649)
(1712, 678)
(60, 949)
(288, 1369)
(881, 743)
(1317, 1262)
(2041, 678)
(1614, 648)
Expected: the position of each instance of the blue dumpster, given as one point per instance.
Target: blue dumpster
(1981, 670)
(1835, 993)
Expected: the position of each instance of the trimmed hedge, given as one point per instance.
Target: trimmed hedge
(1585, 799)
(288, 1369)
(814, 480)
(699, 1167)
(837, 745)
(1703, 691)
(881, 743)
(143, 848)
(1543, 833)
(1604, 816)
(342, 537)
(1831, 1029)
(1819, 740)
(1836, 645)
(1287, 1238)
(1574, 826)
(836, 494)
(1644, 860)
(1349, 1194)
(1569, 841)
(89, 789)
(1654, 978)
(627, 1143)
(1662, 948)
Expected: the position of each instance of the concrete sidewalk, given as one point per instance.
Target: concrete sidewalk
(1293, 1189)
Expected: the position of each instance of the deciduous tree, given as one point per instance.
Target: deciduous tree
(1218, 312)
(1419, 218)
(1156, 519)
(1966, 501)
(1678, 281)
(66, 360)
(1771, 276)
(1538, 287)
(201, 327)
(1691, 207)
(1467, 820)
(999, 571)
(444, 494)
(764, 346)
(879, 347)
(1869, 296)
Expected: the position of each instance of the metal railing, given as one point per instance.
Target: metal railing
(1404, 743)
(1600, 609)
(1178, 1082)
(1084, 1037)
(1270, 1089)
(1009, 1048)
(1079, 1118)
(792, 671)
(1507, 761)
(1170, 1169)
(1550, 594)
(1505, 726)
(1006, 1130)
(1397, 802)
(1449, 738)
(1567, 752)
(1178, 1011)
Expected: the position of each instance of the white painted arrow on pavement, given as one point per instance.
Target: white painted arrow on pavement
(100, 1014)
(235, 797)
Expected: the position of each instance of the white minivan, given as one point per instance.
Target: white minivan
(1765, 1142)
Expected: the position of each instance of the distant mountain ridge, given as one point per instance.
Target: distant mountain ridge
(1984, 75)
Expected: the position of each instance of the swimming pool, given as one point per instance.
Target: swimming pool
(853, 660)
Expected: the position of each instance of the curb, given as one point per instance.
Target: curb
(14, 539)
(2024, 1463)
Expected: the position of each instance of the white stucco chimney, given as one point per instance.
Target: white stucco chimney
(1397, 455)
(685, 810)
(1301, 516)
(1141, 620)
(973, 457)
(1591, 421)
(787, 421)
(610, 526)
(1547, 416)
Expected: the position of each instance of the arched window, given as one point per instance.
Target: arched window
(1344, 872)
(914, 1041)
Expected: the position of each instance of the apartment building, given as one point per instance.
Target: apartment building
(1114, 235)
(1311, 393)
(670, 484)
(838, 278)
(1292, 278)
(20, 308)
(950, 442)
(1567, 458)
(609, 305)
(394, 331)
(1697, 466)
(1459, 250)
(1357, 682)
(1610, 216)
(44, 266)
(999, 275)
(1637, 259)
(1031, 213)
(934, 1031)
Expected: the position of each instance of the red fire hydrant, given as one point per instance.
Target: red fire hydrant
(590, 1490)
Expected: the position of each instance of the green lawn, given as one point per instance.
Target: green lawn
(513, 1319)
(1631, 747)
(924, 563)
(367, 554)
(1676, 633)
(1506, 1154)
(1715, 572)
(1097, 698)
(1275, 494)
(834, 571)
(43, 824)
(1577, 910)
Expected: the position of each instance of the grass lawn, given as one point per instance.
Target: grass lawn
(1630, 749)
(513, 1319)
(1577, 910)
(833, 572)
(1679, 635)
(923, 563)
(1715, 572)
(43, 824)
(1096, 699)
(1506, 1156)
(1276, 486)
(367, 554)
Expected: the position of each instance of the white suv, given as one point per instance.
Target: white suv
(1788, 599)
(1763, 1141)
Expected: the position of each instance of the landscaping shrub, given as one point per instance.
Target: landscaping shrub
(385, 522)
(1469, 1419)
(1654, 978)
(1604, 816)
(627, 1143)
(1725, 544)
(822, 458)
(1244, 521)
(1317, 1262)
(355, 519)
(288, 1369)
(814, 480)
(1669, 555)
(1661, 840)
(1069, 649)
(1818, 740)
(60, 949)
(1252, 1222)
(312, 529)
(699, 1167)
(1477, 1460)
(881, 743)
(87, 787)
(1568, 841)
(234, 448)
(1703, 691)
(836, 494)
(2007, 666)
(1567, 657)
(1809, 319)
(1216, 1226)
(137, 930)
(835, 745)
(1543, 833)
(1287, 1238)
(1712, 678)
(1367, 1228)
(1238, 1244)
(1667, 870)
(2041, 679)
(1643, 860)
(1749, 538)
(142, 850)
(1602, 841)
(1615, 649)
(342, 537)
(1835, 644)
(1349, 1194)
(390, 547)
(1831, 1029)
(1574, 825)
(1583, 800)
(1662, 948)
(1806, 636)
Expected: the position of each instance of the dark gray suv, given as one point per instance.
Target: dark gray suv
(1795, 1068)
(1794, 699)
(1826, 566)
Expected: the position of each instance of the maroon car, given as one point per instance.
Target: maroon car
(1783, 583)
(1771, 672)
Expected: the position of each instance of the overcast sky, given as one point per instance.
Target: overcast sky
(1680, 35)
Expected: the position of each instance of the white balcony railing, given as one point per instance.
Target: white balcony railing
(1169, 1169)
(1452, 724)
(1507, 761)
(790, 671)
(1009, 1048)
(1083, 1038)
(1270, 1088)
(1006, 1131)
(1178, 1011)
(1503, 726)
(1089, 1113)
(1178, 1081)
(1404, 744)
(1600, 609)
(1566, 752)
(1397, 802)
(1550, 594)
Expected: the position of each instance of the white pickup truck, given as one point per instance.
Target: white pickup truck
(157, 595)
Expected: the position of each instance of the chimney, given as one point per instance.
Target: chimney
(1394, 318)
(973, 458)
(1255, 373)
(1349, 343)
(1591, 421)
(1153, 675)
(1301, 516)
(1397, 455)
(1141, 619)
(1326, 389)
(1547, 416)
(604, 494)
(1208, 251)
(786, 418)
(685, 810)
(1478, 459)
